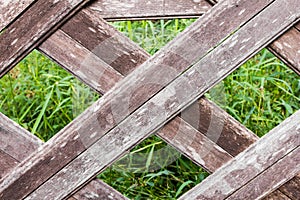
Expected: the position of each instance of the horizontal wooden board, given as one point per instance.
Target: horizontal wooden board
(168, 102)
(28, 30)
(256, 159)
(7, 163)
(139, 9)
(10, 9)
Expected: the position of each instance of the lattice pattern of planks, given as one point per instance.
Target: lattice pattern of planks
(188, 66)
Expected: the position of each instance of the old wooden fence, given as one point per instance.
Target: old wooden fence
(173, 80)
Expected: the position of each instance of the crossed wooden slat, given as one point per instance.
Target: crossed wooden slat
(216, 39)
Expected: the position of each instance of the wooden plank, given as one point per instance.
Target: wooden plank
(13, 137)
(167, 103)
(276, 175)
(292, 188)
(231, 135)
(6, 163)
(287, 48)
(104, 41)
(80, 62)
(276, 195)
(194, 145)
(38, 22)
(10, 9)
(297, 26)
(97, 189)
(114, 10)
(119, 45)
(19, 143)
(247, 165)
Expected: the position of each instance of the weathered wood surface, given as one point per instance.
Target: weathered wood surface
(287, 48)
(95, 190)
(7, 163)
(10, 9)
(80, 62)
(276, 195)
(255, 160)
(194, 144)
(140, 9)
(16, 144)
(239, 135)
(292, 188)
(276, 175)
(38, 22)
(12, 138)
(115, 143)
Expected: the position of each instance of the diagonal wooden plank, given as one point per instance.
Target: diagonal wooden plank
(271, 178)
(276, 195)
(52, 140)
(10, 9)
(291, 188)
(153, 114)
(255, 160)
(287, 48)
(16, 144)
(38, 22)
(113, 10)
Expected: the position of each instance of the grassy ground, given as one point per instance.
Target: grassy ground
(43, 98)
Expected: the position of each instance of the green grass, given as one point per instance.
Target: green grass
(43, 98)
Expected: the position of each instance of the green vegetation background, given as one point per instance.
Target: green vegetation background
(43, 98)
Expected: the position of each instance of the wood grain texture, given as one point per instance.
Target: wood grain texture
(16, 141)
(276, 195)
(292, 188)
(193, 144)
(97, 189)
(104, 41)
(297, 26)
(10, 9)
(287, 48)
(19, 143)
(276, 175)
(29, 29)
(167, 103)
(7, 163)
(253, 161)
(80, 62)
(113, 10)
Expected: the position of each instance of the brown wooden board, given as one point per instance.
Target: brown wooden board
(287, 48)
(10, 9)
(255, 160)
(19, 143)
(153, 114)
(24, 34)
(80, 62)
(113, 10)
(12, 139)
(276, 195)
(292, 188)
(97, 189)
(266, 182)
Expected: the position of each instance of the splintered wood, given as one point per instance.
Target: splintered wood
(142, 94)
